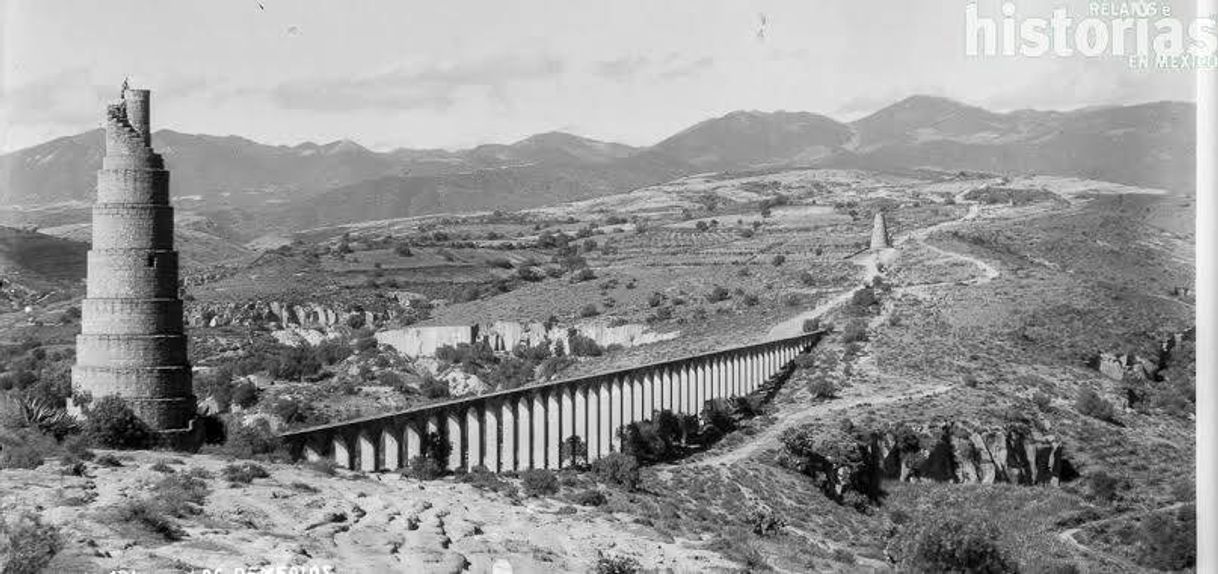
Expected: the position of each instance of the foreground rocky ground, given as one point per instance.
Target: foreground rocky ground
(303, 517)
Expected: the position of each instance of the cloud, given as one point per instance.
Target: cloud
(434, 87)
(670, 67)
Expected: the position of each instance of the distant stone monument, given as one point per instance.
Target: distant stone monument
(879, 233)
(132, 343)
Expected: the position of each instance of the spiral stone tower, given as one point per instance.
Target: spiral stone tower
(879, 233)
(132, 343)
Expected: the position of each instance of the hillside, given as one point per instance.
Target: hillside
(245, 186)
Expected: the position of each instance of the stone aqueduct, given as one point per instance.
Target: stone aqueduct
(524, 428)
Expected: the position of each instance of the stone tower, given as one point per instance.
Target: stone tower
(879, 233)
(132, 341)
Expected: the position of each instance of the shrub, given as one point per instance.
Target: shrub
(255, 441)
(243, 473)
(778, 260)
(539, 482)
(811, 325)
(24, 448)
(822, 388)
(955, 544)
(162, 466)
(719, 293)
(617, 565)
(1170, 542)
(584, 274)
(1103, 487)
(424, 468)
(618, 469)
(108, 461)
(806, 278)
(580, 345)
(434, 388)
(322, 466)
(147, 515)
(112, 424)
(245, 394)
(751, 300)
(573, 451)
(764, 522)
(1042, 400)
(590, 497)
(855, 332)
(588, 310)
(28, 544)
(182, 494)
(1090, 404)
(482, 478)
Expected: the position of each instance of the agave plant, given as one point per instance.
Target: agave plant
(49, 419)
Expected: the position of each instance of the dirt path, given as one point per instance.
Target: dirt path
(1067, 536)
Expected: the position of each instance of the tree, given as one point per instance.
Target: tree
(112, 424)
(619, 469)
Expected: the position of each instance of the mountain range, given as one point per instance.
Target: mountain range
(249, 186)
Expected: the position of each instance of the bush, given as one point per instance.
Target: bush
(112, 424)
(588, 310)
(584, 274)
(28, 544)
(590, 497)
(618, 469)
(764, 522)
(574, 452)
(539, 482)
(147, 515)
(955, 544)
(751, 300)
(617, 565)
(1090, 404)
(254, 441)
(109, 461)
(580, 345)
(778, 260)
(434, 388)
(24, 448)
(811, 325)
(1170, 542)
(182, 494)
(1103, 487)
(245, 394)
(243, 473)
(482, 478)
(806, 278)
(719, 293)
(822, 388)
(1042, 400)
(855, 332)
(424, 468)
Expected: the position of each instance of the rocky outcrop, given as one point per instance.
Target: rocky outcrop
(1117, 366)
(278, 315)
(857, 461)
(504, 336)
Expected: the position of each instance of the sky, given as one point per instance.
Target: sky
(457, 73)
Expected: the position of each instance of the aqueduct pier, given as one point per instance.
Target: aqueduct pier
(524, 428)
